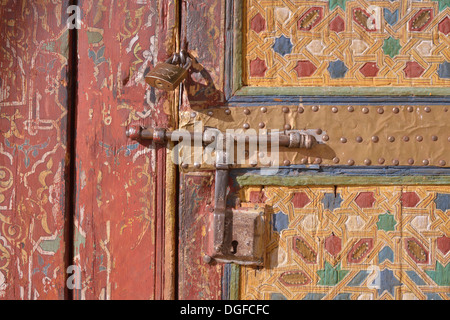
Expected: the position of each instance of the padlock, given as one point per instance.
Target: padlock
(168, 75)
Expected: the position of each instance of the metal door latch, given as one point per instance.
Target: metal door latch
(235, 235)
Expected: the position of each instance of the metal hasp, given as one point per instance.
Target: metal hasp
(234, 235)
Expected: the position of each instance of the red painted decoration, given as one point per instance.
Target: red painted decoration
(333, 245)
(409, 199)
(413, 69)
(369, 69)
(365, 200)
(300, 200)
(258, 68)
(444, 26)
(257, 197)
(258, 23)
(443, 244)
(337, 25)
(310, 19)
(305, 68)
(360, 250)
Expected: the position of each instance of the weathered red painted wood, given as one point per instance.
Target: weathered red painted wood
(197, 279)
(33, 122)
(118, 230)
(202, 35)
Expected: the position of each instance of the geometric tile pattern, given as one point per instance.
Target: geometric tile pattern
(368, 245)
(347, 43)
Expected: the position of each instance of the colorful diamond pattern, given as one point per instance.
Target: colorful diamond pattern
(320, 255)
(306, 44)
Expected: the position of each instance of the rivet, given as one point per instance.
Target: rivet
(434, 138)
(395, 110)
(350, 109)
(193, 114)
(304, 161)
(411, 161)
(426, 162)
(334, 110)
(391, 139)
(442, 163)
(287, 127)
(286, 110)
(246, 126)
(375, 139)
(410, 109)
(261, 155)
(263, 109)
(319, 131)
(427, 109)
(351, 162)
(395, 162)
(185, 166)
(246, 112)
(325, 138)
(315, 108)
(380, 110)
(343, 140)
(300, 110)
(262, 125)
(359, 139)
(197, 165)
(227, 112)
(365, 110)
(406, 138)
(367, 162)
(419, 138)
(336, 160)
(381, 160)
(253, 163)
(207, 259)
(210, 113)
(287, 163)
(318, 161)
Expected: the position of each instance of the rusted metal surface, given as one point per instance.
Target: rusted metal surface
(120, 188)
(33, 118)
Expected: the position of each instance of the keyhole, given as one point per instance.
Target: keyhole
(234, 245)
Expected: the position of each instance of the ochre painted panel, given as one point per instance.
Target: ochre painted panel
(351, 43)
(33, 146)
(120, 194)
(352, 243)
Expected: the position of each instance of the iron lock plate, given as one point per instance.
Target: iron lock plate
(243, 241)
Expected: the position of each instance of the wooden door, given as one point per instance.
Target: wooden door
(364, 214)
(85, 213)
(122, 236)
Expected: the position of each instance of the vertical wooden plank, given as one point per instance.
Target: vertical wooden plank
(120, 209)
(202, 34)
(197, 279)
(33, 118)
(202, 27)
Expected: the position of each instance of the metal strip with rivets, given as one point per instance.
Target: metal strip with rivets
(349, 135)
